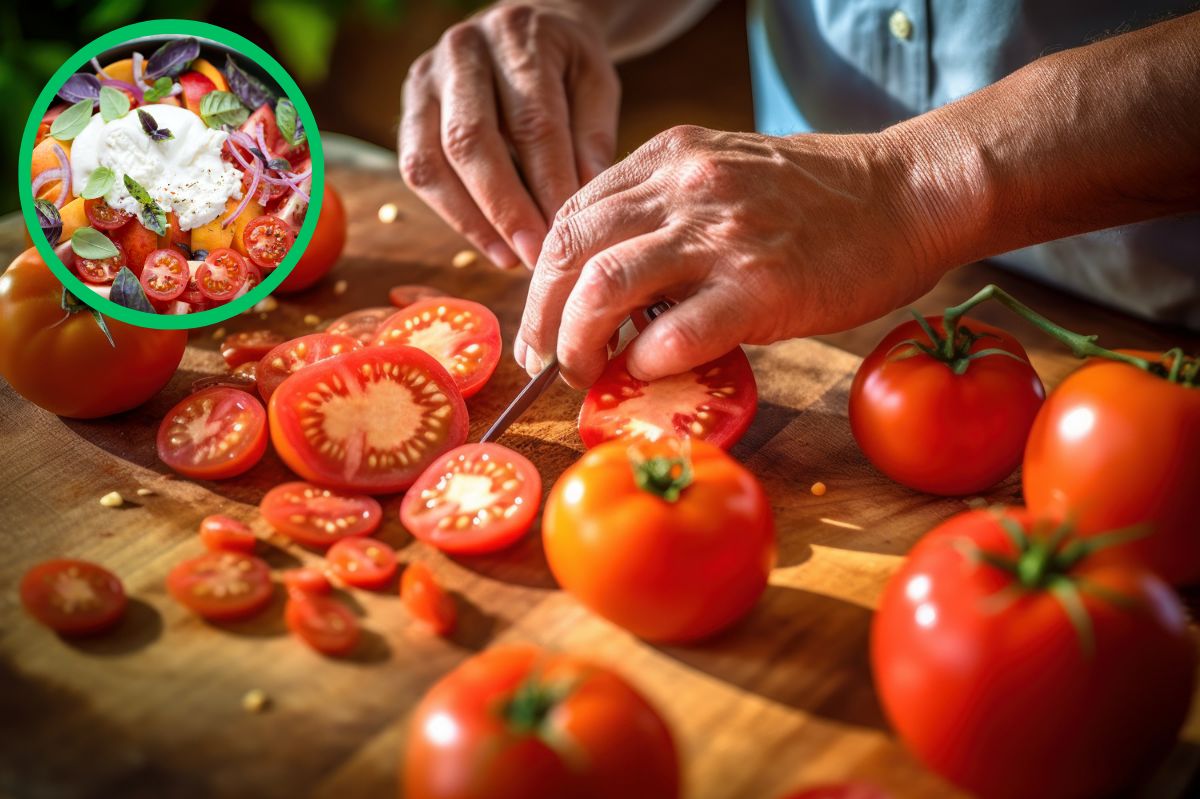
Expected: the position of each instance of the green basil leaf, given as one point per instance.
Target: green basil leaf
(152, 216)
(99, 183)
(127, 291)
(87, 242)
(288, 122)
(218, 109)
(70, 123)
(114, 103)
(160, 89)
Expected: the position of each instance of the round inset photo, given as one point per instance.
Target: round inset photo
(175, 174)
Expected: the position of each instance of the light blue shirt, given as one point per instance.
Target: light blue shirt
(840, 66)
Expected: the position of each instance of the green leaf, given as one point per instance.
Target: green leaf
(90, 243)
(160, 89)
(114, 103)
(70, 123)
(127, 291)
(152, 216)
(99, 183)
(288, 122)
(218, 109)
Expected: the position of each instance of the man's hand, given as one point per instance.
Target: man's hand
(530, 81)
(757, 238)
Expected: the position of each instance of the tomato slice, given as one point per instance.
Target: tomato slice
(291, 356)
(361, 325)
(319, 516)
(100, 271)
(267, 239)
(426, 600)
(242, 378)
(249, 346)
(406, 295)
(847, 790)
(165, 275)
(362, 562)
(323, 623)
(222, 586)
(306, 580)
(73, 597)
(464, 336)
(476, 498)
(369, 420)
(103, 216)
(220, 534)
(213, 434)
(714, 402)
(222, 274)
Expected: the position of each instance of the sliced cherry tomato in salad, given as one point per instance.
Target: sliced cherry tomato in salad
(268, 239)
(103, 216)
(165, 275)
(319, 516)
(264, 117)
(138, 241)
(248, 346)
(220, 533)
(73, 597)
(362, 562)
(476, 498)
(406, 295)
(222, 274)
(323, 623)
(213, 434)
(323, 431)
(361, 325)
(306, 580)
(291, 356)
(222, 586)
(715, 402)
(463, 336)
(100, 271)
(426, 600)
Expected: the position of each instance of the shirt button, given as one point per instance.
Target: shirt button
(900, 25)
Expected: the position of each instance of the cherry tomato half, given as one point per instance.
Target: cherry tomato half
(426, 600)
(73, 597)
(222, 586)
(291, 356)
(323, 623)
(362, 562)
(463, 336)
(306, 580)
(165, 275)
(250, 345)
(476, 498)
(221, 533)
(319, 516)
(103, 216)
(100, 271)
(222, 274)
(268, 239)
(361, 325)
(213, 434)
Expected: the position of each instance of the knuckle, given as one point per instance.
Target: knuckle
(421, 67)
(462, 138)
(460, 37)
(512, 18)
(678, 138)
(533, 124)
(701, 174)
(418, 169)
(605, 277)
(562, 244)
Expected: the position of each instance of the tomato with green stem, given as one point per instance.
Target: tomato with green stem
(1014, 663)
(73, 597)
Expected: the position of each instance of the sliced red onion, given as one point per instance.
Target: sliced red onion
(255, 174)
(138, 66)
(99, 69)
(65, 166)
(229, 142)
(295, 206)
(176, 88)
(47, 176)
(262, 142)
(120, 84)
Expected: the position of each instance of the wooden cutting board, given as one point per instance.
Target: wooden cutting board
(781, 701)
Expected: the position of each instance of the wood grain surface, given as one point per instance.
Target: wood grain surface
(781, 701)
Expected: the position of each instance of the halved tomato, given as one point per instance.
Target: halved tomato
(221, 586)
(362, 562)
(291, 356)
(221, 533)
(714, 402)
(73, 597)
(362, 324)
(213, 434)
(250, 345)
(100, 271)
(426, 600)
(464, 336)
(164, 275)
(406, 295)
(369, 420)
(268, 240)
(306, 580)
(322, 622)
(477, 498)
(103, 216)
(319, 516)
(222, 274)
(242, 378)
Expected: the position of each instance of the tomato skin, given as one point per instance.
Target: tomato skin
(137, 241)
(426, 600)
(97, 604)
(360, 325)
(248, 346)
(1113, 447)
(621, 746)
(66, 365)
(243, 584)
(1000, 697)
(847, 790)
(666, 571)
(405, 295)
(220, 533)
(306, 580)
(362, 562)
(325, 247)
(319, 517)
(103, 216)
(245, 446)
(195, 86)
(323, 623)
(941, 433)
(463, 336)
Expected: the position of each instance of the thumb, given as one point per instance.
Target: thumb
(694, 332)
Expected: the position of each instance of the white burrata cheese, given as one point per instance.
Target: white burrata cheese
(185, 174)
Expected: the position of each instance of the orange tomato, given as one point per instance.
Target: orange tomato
(325, 247)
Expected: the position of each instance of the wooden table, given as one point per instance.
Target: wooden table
(154, 709)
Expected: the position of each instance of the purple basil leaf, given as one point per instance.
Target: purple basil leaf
(148, 123)
(49, 219)
(250, 90)
(172, 58)
(280, 164)
(127, 291)
(257, 153)
(80, 86)
(162, 134)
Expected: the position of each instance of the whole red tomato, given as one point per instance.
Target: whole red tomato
(518, 722)
(1116, 446)
(672, 540)
(60, 359)
(948, 427)
(324, 249)
(1015, 666)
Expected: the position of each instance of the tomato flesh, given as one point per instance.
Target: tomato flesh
(222, 274)
(220, 533)
(319, 516)
(222, 586)
(213, 434)
(291, 356)
(362, 562)
(137, 241)
(165, 275)
(406, 295)
(267, 240)
(476, 498)
(463, 336)
(251, 345)
(426, 600)
(100, 271)
(323, 623)
(103, 216)
(368, 420)
(714, 402)
(306, 580)
(361, 325)
(73, 597)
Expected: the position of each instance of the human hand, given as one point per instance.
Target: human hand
(757, 238)
(530, 81)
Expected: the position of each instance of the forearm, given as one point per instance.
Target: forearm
(634, 27)
(1085, 139)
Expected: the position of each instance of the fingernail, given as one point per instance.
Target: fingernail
(501, 255)
(528, 245)
(519, 350)
(533, 363)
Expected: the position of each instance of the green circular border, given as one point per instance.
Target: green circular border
(171, 27)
